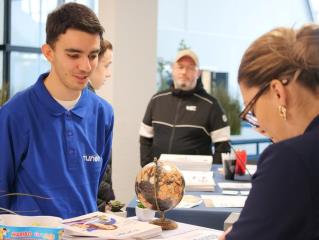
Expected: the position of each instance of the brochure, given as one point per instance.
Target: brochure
(104, 225)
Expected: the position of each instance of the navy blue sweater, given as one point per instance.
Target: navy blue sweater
(284, 200)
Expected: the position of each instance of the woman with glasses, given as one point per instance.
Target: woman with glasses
(279, 80)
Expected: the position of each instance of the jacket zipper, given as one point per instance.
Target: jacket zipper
(173, 128)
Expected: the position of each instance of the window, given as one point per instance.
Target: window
(1, 71)
(314, 7)
(1, 21)
(23, 32)
(25, 70)
(32, 14)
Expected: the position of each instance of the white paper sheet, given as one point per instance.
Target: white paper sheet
(224, 201)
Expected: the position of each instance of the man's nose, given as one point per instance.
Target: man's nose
(85, 64)
(184, 70)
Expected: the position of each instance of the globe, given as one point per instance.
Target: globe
(160, 187)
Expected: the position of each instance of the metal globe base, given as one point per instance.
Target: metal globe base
(164, 223)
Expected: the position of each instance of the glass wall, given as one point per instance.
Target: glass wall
(25, 69)
(22, 63)
(28, 21)
(1, 21)
(1, 71)
(314, 5)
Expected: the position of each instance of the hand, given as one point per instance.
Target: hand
(223, 236)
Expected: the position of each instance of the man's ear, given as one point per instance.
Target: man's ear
(47, 52)
(279, 92)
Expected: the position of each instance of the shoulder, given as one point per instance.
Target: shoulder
(100, 103)
(206, 98)
(299, 145)
(162, 94)
(17, 104)
(15, 113)
(99, 106)
(300, 151)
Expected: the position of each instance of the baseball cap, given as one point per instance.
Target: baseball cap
(189, 53)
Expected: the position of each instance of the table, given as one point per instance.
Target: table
(184, 229)
(200, 215)
(177, 234)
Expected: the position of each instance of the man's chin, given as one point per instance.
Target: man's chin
(184, 87)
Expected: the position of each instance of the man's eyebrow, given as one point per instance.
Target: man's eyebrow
(95, 51)
(74, 50)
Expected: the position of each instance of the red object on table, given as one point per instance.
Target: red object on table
(241, 160)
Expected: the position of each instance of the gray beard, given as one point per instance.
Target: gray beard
(185, 87)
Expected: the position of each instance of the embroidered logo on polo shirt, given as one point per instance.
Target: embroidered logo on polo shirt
(191, 108)
(91, 158)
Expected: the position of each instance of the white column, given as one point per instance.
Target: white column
(131, 26)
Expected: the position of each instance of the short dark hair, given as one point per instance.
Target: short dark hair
(71, 15)
(105, 45)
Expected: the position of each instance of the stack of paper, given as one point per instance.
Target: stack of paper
(189, 201)
(197, 234)
(224, 201)
(199, 181)
(107, 226)
(234, 185)
(189, 162)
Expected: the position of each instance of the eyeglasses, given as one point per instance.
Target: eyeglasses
(247, 114)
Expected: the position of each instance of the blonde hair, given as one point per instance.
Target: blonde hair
(280, 53)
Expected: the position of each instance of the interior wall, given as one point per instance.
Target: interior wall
(131, 26)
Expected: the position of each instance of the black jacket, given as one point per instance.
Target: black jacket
(183, 122)
(106, 192)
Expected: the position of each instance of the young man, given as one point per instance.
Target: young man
(56, 135)
(184, 119)
(103, 69)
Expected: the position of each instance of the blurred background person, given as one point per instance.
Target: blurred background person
(184, 119)
(103, 69)
(97, 79)
(279, 81)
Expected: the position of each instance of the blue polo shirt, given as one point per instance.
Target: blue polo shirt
(53, 153)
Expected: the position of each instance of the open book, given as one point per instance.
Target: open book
(107, 226)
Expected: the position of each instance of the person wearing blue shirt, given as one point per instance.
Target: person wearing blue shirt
(279, 80)
(56, 135)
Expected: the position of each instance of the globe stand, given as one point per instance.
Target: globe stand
(164, 223)
(160, 186)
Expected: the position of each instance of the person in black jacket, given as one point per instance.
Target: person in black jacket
(184, 119)
(279, 80)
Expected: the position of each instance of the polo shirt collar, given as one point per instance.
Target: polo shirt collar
(53, 106)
